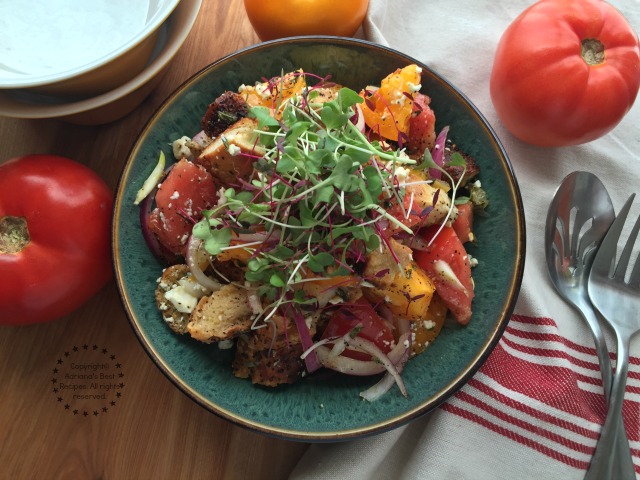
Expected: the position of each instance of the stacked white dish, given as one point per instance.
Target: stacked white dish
(94, 63)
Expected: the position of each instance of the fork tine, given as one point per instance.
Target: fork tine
(634, 279)
(606, 255)
(623, 262)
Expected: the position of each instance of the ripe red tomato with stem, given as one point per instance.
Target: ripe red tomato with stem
(55, 223)
(565, 72)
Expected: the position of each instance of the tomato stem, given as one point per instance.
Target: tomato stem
(14, 234)
(592, 51)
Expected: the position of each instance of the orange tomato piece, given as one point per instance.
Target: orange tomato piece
(276, 92)
(387, 109)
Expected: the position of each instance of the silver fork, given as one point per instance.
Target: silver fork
(618, 300)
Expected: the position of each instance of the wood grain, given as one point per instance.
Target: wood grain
(154, 431)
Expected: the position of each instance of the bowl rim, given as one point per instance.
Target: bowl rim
(174, 40)
(167, 7)
(445, 393)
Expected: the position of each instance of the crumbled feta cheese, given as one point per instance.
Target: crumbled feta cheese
(184, 295)
(180, 148)
(414, 88)
(234, 150)
(181, 299)
(428, 324)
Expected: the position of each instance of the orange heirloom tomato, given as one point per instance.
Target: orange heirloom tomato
(387, 109)
(565, 72)
(289, 18)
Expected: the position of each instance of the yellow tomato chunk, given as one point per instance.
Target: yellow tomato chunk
(408, 295)
(387, 110)
(426, 329)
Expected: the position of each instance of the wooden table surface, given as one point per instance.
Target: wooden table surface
(151, 430)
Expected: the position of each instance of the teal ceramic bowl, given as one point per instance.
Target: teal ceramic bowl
(323, 407)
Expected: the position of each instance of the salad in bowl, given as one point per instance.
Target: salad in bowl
(309, 226)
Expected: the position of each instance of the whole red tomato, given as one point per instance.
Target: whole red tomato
(288, 18)
(55, 217)
(565, 72)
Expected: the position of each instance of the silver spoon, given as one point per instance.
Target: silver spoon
(580, 214)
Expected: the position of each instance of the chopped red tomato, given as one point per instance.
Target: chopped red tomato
(422, 123)
(463, 225)
(373, 328)
(447, 264)
(187, 190)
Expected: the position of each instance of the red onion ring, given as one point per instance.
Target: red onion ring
(146, 207)
(193, 247)
(437, 153)
(373, 350)
(386, 382)
(310, 357)
(351, 366)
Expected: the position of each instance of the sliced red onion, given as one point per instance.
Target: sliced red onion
(151, 183)
(415, 242)
(192, 258)
(386, 382)
(437, 153)
(146, 207)
(309, 356)
(374, 351)
(341, 343)
(352, 366)
(358, 118)
(316, 345)
(201, 139)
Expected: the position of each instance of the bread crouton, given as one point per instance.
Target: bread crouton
(269, 359)
(223, 157)
(222, 315)
(175, 319)
(382, 266)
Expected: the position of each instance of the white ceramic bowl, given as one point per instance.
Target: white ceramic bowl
(77, 48)
(116, 103)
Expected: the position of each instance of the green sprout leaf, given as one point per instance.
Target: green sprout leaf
(217, 240)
